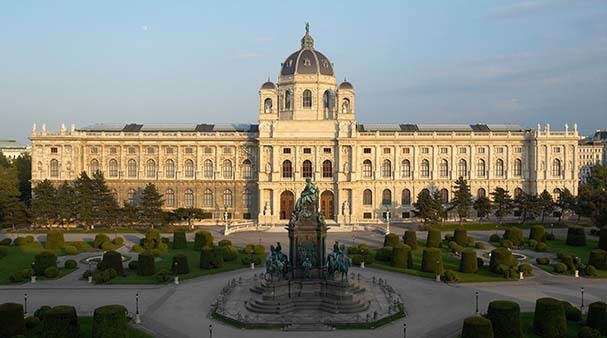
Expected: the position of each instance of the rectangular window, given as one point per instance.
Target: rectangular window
(54, 150)
(227, 150)
(386, 150)
(113, 150)
(425, 150)
(406, 214)
(556, 149)
(518, 149)
(132, 150)
(94, 150)
(307, 150)
(367, 150)
(208, 150)
(462, 150)
(286, 150)
(406, 150)
(444, 150)
(169, 150)
(151, 150)
(326, 150)
(480, 150)
(189, 150)
(499, 150)
(246, 215)
(367, 215)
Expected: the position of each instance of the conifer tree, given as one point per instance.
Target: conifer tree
(462, 198)
(151, 205)
(85, 195)
(566, 202)
(66, 203)
(502, 203)
(482, 205)
(44, 203)
(546, 203)
(104, 202)
(528, 205)
(427, 207)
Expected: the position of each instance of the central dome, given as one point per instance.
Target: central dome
(307, 60)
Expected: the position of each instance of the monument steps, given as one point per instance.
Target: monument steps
(308, 327)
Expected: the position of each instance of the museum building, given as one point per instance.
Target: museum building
(308, 129)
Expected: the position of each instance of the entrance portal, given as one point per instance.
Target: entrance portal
(326, 204)
(287, 202)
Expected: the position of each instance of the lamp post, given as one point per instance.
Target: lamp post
(210, 330)
(225, 218)
(25, 305)
(437, 270)
(387, 221)
(175, 277)
(137, 316)
(582, 306)
(404, 330)
(33, 279)
(90, 274)
(476, 295)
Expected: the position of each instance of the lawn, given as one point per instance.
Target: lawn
(583, 252)
(86, 330)
(493, 226)
(22, 257)
(527, 326)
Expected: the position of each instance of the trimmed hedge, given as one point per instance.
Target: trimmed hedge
(203, 239)
(588, 332)
(180, 264)
(433, 240)
(603, 238)
(477, 327)
(549, 319)
(70, 264)
(401, 256)
(514, 235)
(537, 233)
(3, 251)
(119, 241)
(541, 247)
(572, 313)
(61, 322)
(11, 320)
(597, 317)
(6, 241)
(505, 318)
(391, 240)
(500, 256)
(429, 259)
(206, 258)
(99, 240)
(225, 242)
(111, 260)
(384, 254)
(217, 260)
(70, 250)
(468, 262)
(460, 235)
(146, 266)
(410, 238)
(598, 259)
(43, 261)
(110, 321)
(228, 253)
(179, 240)
(54, 240)
(152, 239)
(576, 236)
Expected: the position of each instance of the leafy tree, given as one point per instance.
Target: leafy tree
(546, 202)
(151, 205)
(128, 213)
(66, 203)
(566, 201)
(12, 210)
(599, 217)
(528, 205)
(502, 202)
(23, 165)
(482, 205)
(44, 203)
(462, 198)
(584, 206)
(4, 162)
(598, 177)
(428, 207)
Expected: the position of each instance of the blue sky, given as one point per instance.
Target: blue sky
(454, 61)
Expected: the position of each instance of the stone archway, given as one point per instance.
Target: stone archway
(327, 205)
(287, 202)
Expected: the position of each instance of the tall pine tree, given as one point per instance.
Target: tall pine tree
(44, 203)
(482, 205)
(85, 196)
(104, 202)
(462, 198)
(66, 203)
(427, 207)
(502, 203)
(151, 205)
(546, 202)
(528, 205)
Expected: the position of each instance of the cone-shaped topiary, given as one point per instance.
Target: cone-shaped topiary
(468, 262)
(549, 319)
(477, 327)
(433, 240)
(598, 259)
(110, 321)
(54, 240)
(410, 238)
(460, 235)
(180, 264)
(202, 239)
(430, 258)
(99, 240)
(603, 238)
(391, 240)
(537, 233)
(576, 236)
(400, 256)
(112, 260)
(146, 265)
(43, 261)
(61, 322)
(597, 317)
(179, 240)
(505, 317)
(11, 320)
(514, 235)
(500, 256)
(217, 260)
(206, 258)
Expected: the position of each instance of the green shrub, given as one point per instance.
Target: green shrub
(163, 276)
(16, 277)
(224, 242)
(3, 251)
(533, 243)
(495, 238)
(29, 239)
(39, 313)
(505, 319)
(51, 272)
(19, 241)
(391, 240)
(549, 237)
(477, 327)
(479, 262)
(206, 258)
(6, 241)
(576, 236)
(110, 321)
(370, 259)
(603, 238)
(107, 246)
(70, 250)
(410, 238)
(479, 245)
(44, 260)
(560, 268)
(54, 240)
(537, 233)
(165, 240)
(572, 313)
(589, 271)
(449, 276)
(357, 259)
(133, 265)
(217, 260)
(598, 259)
(549, 319)
(179, 239)
(454, 247)
(180, 264)
(506, 243)
(500, 256)
(99, 240)
(103, 276)
(400, 255)
(31, 322)
(152, 239)
(246, 260)
(541, 247)
(597, 317)
(542, 260)
(468, 262)
(256, 260)
(228, 253)
(526, 269)
(260, 249)
(433, 240)
(568, 261)
(162, 248)
(430, 257)
(588, 332)
(61, 322)
(111, 260)
(515, 235)
(11, 320)
(249, 249)
(202, 239)
(363, 249)
(70, 264)
(27, 273)
(460, 235)
(118, 241)
(137, 249)
(146, 264)
(384, 254)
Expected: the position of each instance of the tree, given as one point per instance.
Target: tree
(598, 177)
(12, 210)
(66, 203)
(427, 207)
(502, 202)
(584, 206)
(151, 205)
(23, 165)
(482, 205)
(462, 198)
(546, 202)
(44, 203)
(104, 203)
(566, 201)
(85, 208)
(528, 205)
(128, 213)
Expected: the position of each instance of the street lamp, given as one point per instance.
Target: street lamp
(210, 330)
(137, 316)
(33, 279)
(437, 270)
(175, 277)
(387, 221)
(582, 307)
(25, 304)
(476, 295)
(404, 330)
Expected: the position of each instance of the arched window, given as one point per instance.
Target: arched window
(132, 197)
(326, 100)
(188, 198)
(54, 168)
(424, 169)
(169, 198)
(208, 169)
(248, 198)
(425, 191)
(499, 168)
(517, 192)
(247, 169)
(207, 198)
(517, 167)
(267, 105)
(462, 168)
(113, 168)
(386, 197)
(227, 198)
(306, 169)
(480, 168)
(94, 166)
(189, 168)
(367, 197)
(169, 169)
(345, 106)
(386, 168)
(150, 169)
(406, 197)
(131, 168)
(287, 169)
(443, 168)
(367, 168)
(288, 99)
(327, 169)
(556, 194)
(405, 168)
(227, 169)
(556, 167)
(481, 192)
(307, 99)
(444, 196)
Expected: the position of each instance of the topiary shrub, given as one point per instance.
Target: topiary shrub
(110, 321)
(549, 237)
(152, 239)
(515, 235)
(256, 260)
(526, 269)
(384, 254)
(430, 257)
(180, 264)
(43, 261)
(542, 260)
(433, 240)
(572, 313)
(99, 240)
(11, 320)
(3, 251)
(228, 253)
(146, 265)
(468, 262)
(133, 265)
(16, 277)
(6, 241)
(500, 256)
(549, 319)
(603, 238)
(479, 262)
(506, 243)
(70, 264)
(505, 319)
(362, 249)
(597, 317)
(537, 233)
(532, 243)
(206, 258)
(111, 260)
(589, 271)
(54, 240)
(410, 238)
(203, 239)
(598, 259)
(137, 249)
(568, 261)
(479, 245)
(70, 250)
(588, 332)
(391, 240)
(118, 241)
(399, 256)
(477, 327)
(460, 235)
(454, 247)
(541, 247)
(576, 236)
(560, 268)
(179, 240)
(224, 242)
(161, 248)
(61, 322)
(30, 323)
(449, 276)
(495, 238)
(163, 276)
(217, 260)
(51, 272)
(107, 246)
(39, 313)
(260, 249)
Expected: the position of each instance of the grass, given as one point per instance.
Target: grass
(86, 330)
(527, 327)
(583, 252)
(22, 257)
(492, 226)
